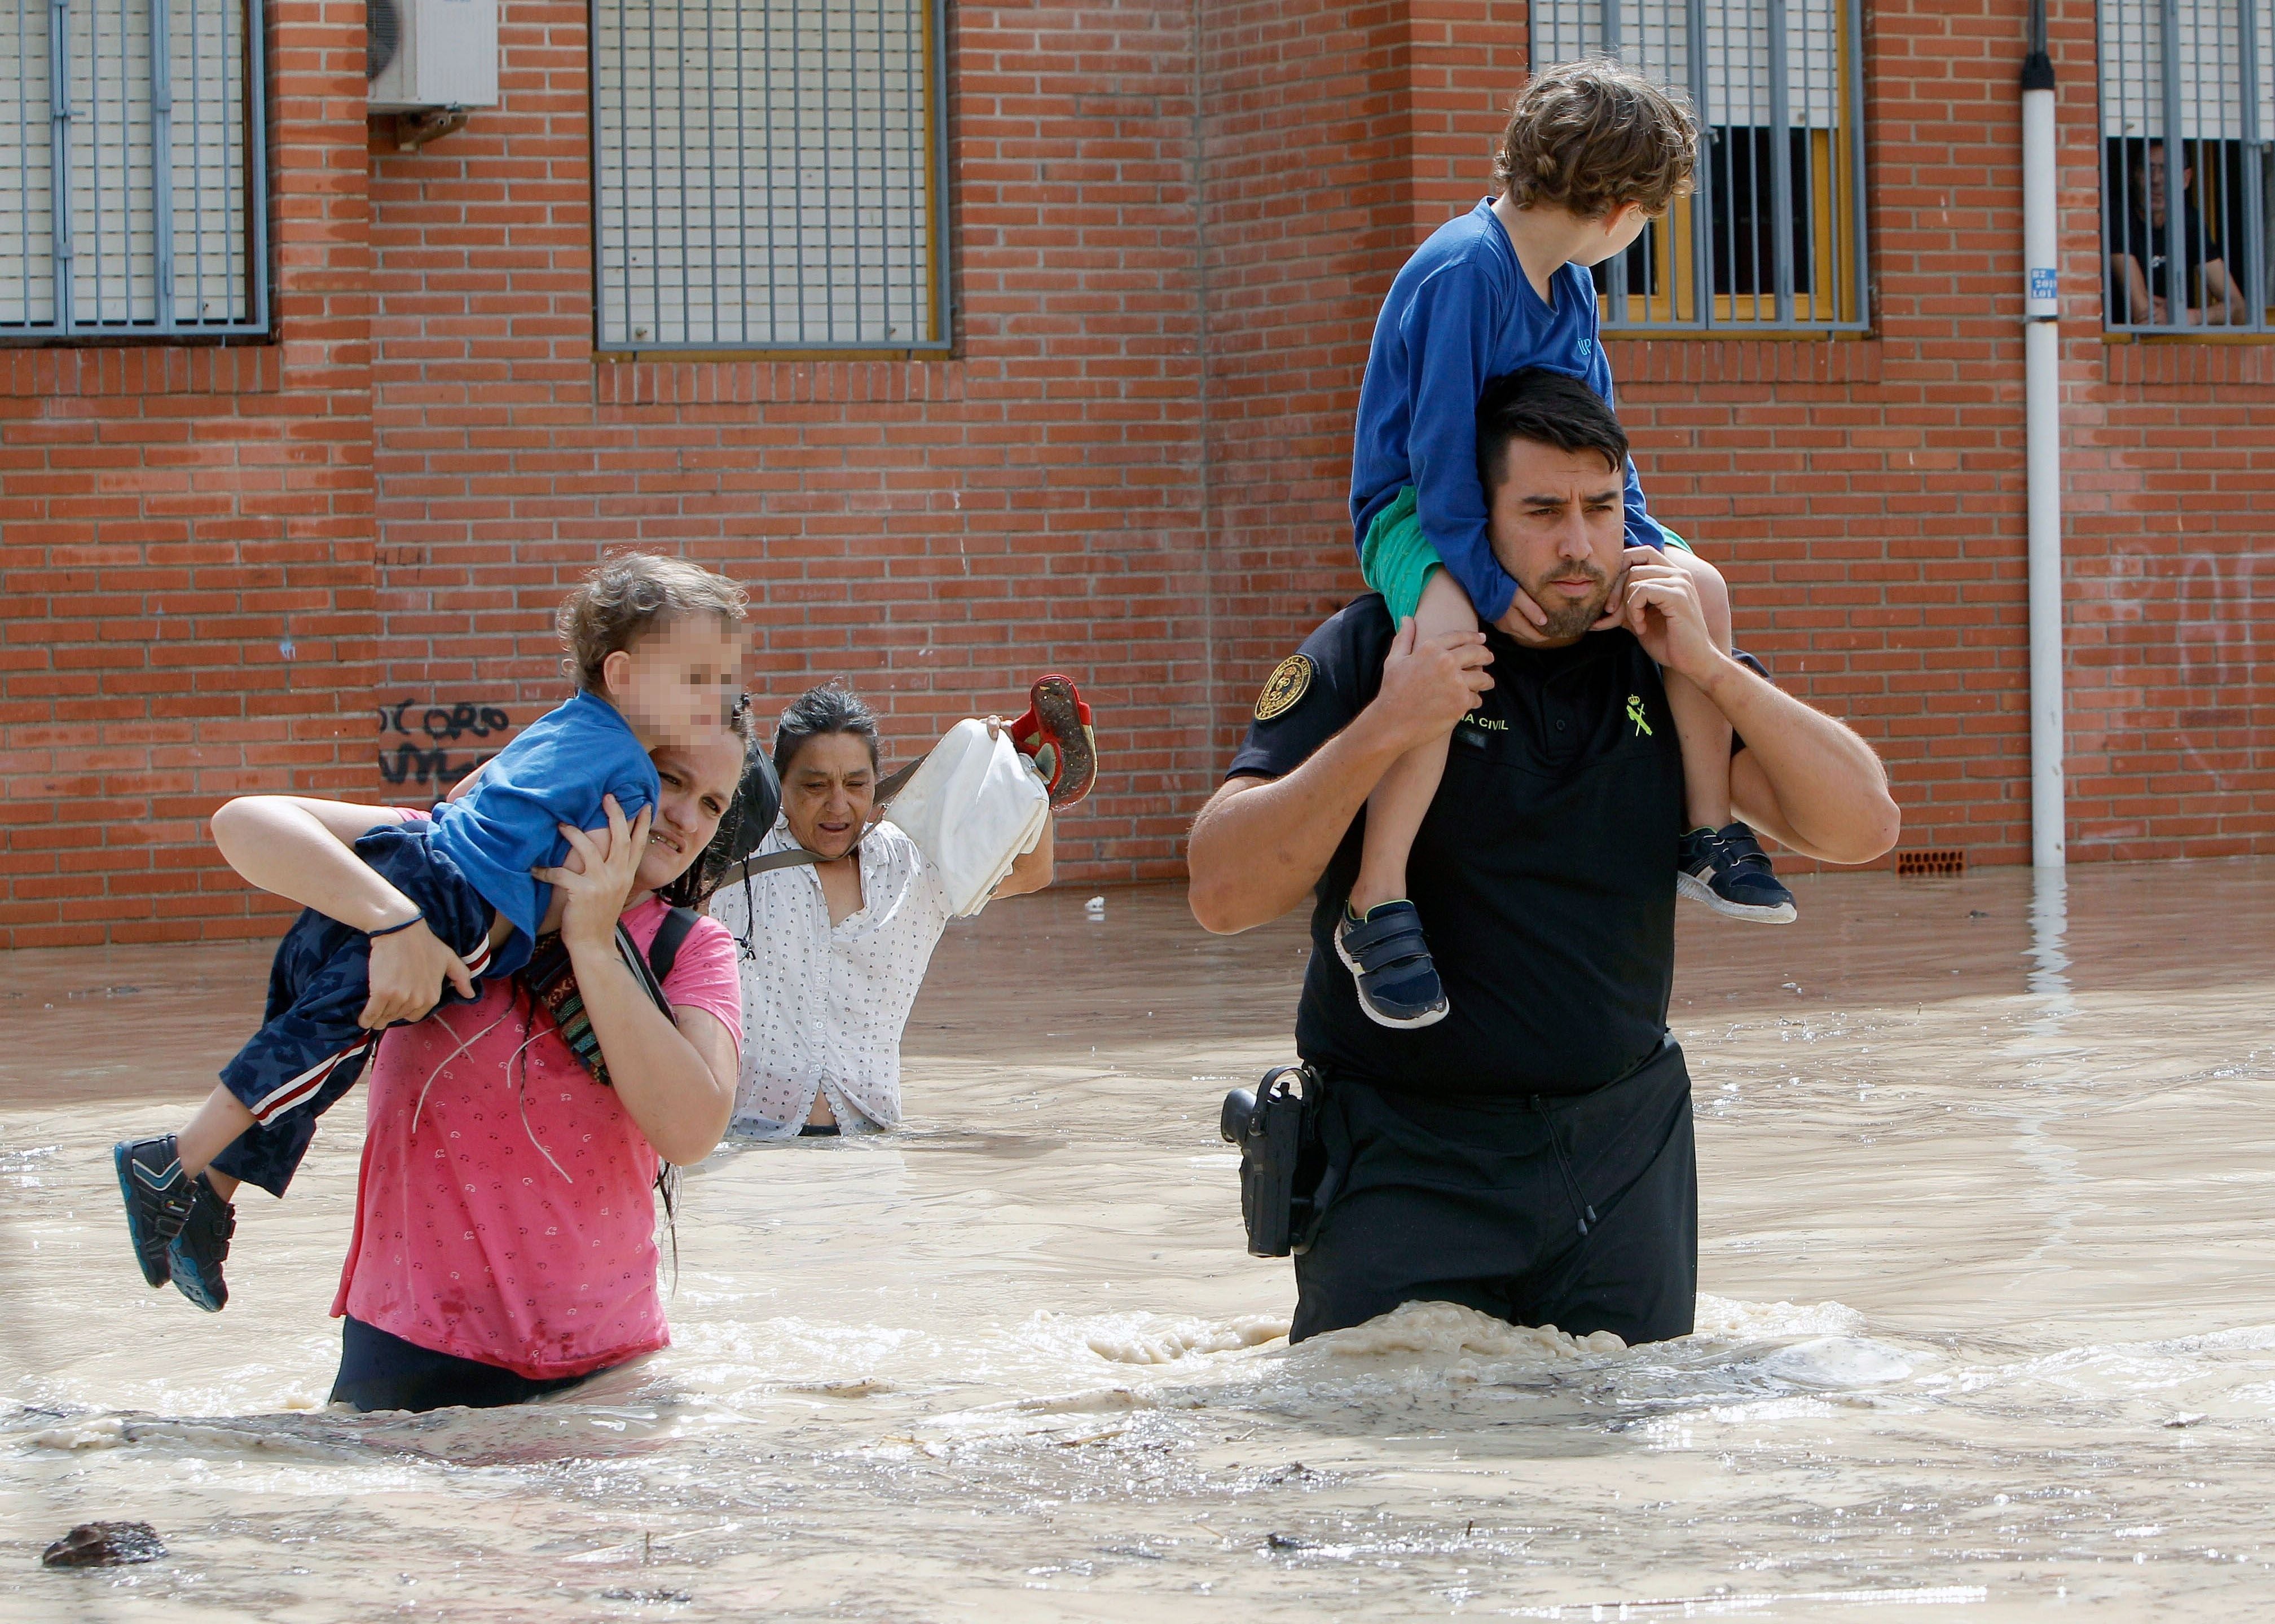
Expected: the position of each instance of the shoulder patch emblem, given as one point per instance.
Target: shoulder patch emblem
(1289, 681)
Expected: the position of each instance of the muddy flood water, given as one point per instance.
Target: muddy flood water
(1987, 1323)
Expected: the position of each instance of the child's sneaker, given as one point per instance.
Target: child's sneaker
(1727, 870)
(197, 1250)
(158, 1196)
(1056, 734)
(1398, 985)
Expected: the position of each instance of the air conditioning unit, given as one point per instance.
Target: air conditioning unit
(422, 54)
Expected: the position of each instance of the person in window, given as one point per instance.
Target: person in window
(834, 953)
(2140, 267)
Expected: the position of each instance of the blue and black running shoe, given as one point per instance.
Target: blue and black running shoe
(195, 1254)
(158, 1196)
(1727, 870)
(1398, 985)
(200, 1247)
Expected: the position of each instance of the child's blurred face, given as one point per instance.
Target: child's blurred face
(678, 686)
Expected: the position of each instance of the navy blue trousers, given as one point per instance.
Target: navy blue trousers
(310, 1050)
(378, 1371)
(1484, 1203)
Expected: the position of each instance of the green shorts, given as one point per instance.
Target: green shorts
(1397, 560)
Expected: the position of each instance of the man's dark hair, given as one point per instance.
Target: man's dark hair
(1551, 409)
(833, 707)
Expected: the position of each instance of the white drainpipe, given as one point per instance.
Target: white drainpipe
(2042, 441)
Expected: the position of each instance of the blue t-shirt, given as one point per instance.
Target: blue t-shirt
(509, 823)
(1460, 314)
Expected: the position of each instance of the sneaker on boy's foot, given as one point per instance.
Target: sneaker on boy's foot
(158, 1197)
(1056, 733)
(1727, 870)
(197, 1251)
(1398, 985)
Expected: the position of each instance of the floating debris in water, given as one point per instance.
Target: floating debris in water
(105, 1545)
(1095, 908)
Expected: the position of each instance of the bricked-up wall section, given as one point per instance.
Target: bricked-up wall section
(1173, 223)
(187, 603)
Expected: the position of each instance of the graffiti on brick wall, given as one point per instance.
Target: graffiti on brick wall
(437, 746)
(2193, 628)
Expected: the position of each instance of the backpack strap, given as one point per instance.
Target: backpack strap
(670, 936)
(890, 785)
(893, 783)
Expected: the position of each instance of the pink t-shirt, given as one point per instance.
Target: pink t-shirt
(468, 1240)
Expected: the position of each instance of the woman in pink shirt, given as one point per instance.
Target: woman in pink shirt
(505, 1214)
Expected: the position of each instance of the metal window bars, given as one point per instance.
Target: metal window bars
(132, 202)
(1773, 234)
(2187, 111)
(770, 175)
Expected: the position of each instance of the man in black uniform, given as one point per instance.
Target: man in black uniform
(1531, 1155)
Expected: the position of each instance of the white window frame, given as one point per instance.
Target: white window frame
(2219, 90)
(737, 267)
(75, 123)
(1796, 75)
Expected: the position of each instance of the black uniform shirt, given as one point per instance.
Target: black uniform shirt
(2147, 242)
(1545, 871)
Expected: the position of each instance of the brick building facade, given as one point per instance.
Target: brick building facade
(327, 562)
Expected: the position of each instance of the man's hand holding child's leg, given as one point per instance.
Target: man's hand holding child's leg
(1677, 605)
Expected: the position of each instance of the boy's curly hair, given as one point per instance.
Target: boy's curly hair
(629, 596)
(1591, 137)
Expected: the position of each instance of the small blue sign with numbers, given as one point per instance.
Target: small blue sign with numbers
(2043, 283)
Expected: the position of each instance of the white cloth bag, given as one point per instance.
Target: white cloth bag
(974, 808)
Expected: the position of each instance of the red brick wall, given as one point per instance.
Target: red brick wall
(938, 531)
(1867, 500)
(186, 559)
(1173, 226)
(1335, 138)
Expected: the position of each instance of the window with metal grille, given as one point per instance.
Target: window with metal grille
(132, 197)
(769, 174)
(1773, 234)
(2188, 107)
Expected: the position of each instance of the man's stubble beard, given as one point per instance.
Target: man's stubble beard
(1569, 622)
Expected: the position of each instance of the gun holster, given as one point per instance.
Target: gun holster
(1287, 1177)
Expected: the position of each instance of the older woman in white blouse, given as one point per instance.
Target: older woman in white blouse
(834, 953)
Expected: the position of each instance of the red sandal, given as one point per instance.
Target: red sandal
(1056, 734)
